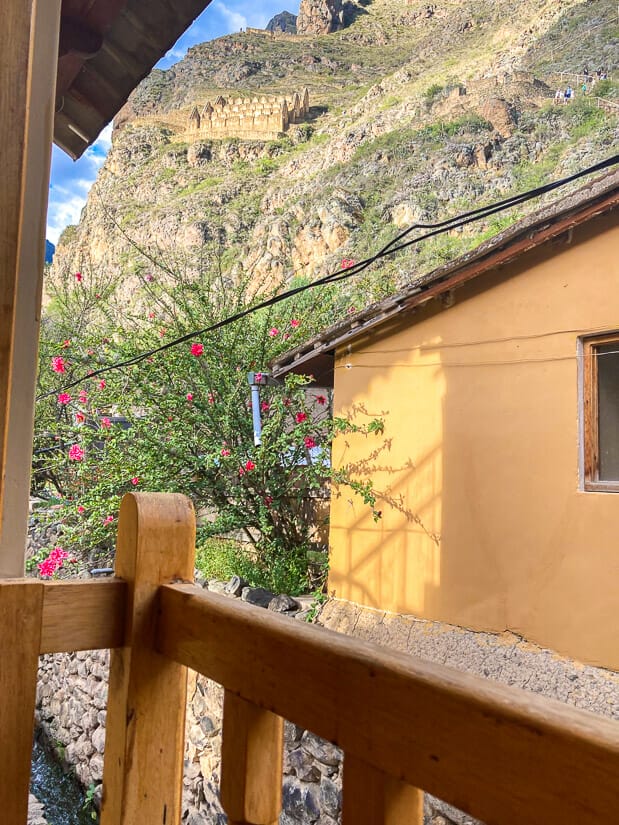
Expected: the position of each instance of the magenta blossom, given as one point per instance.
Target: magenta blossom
(58, 364)
(106, 423)
(309, 442)
(295, 323)
(273, 332)
(83, 396)
(321, 399)
(101, 384)
(64, 398)
(225, 452)
(300, 417)
(108, 519)
(79, 277)
(135, 481)
(197, 349)
(189, 396)
(76, 453)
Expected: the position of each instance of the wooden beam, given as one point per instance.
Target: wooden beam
(144, 745)
(83, 615)
(371, 797)
(21, 606)
(251, 763)
(28, 54)
(501, 754)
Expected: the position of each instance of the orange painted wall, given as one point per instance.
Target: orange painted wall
(485, 523)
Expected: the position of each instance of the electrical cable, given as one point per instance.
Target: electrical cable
(348, 272)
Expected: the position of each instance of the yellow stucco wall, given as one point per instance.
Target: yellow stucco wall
(485, 523)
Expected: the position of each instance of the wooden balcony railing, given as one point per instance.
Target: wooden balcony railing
(501, 754)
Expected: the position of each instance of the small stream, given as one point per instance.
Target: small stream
(60, 792)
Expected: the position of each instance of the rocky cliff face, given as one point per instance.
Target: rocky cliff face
(320, 16)
(283, 22)
(414, 116)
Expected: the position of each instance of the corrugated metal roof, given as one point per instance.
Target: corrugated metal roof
(106, 48)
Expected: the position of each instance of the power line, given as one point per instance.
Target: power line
(343, 274)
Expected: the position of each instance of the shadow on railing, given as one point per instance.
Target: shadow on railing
(501, 754)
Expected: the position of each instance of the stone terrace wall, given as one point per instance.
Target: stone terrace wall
(263, 117)
(72, 693)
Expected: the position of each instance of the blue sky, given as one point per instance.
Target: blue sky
(71, 180)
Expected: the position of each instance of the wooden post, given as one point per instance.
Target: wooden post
(144, 746)
(21, 607)
(371, 797)
(251, 763)
(28, 55)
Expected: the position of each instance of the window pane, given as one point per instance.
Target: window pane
(608, 410)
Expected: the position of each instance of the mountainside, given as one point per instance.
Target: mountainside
(417, 112)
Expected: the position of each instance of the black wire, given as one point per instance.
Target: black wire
(343, 274)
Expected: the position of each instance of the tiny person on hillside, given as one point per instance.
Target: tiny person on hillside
(559, 96)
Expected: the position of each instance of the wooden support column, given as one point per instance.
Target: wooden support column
(251, 763)
(21, 607)
(371, 797)
(144, 745)
(28, 55)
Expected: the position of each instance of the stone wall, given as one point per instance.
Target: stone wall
(72, 694)
(246, 118)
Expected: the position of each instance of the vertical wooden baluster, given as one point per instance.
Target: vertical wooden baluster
(371, 797)
(144, 746)
(21, 608)
(251, 763)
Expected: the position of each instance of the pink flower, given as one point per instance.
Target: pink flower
(64, 398)
(210, 398)
(347, 263)
(295, 323)
(151, 315)
(79, 277)
(162, 332)
(286, 336)
(273, 332)
(265, 406)
(106, 423)
(58, 364)
(90, 351)
(76, 453)
(108, 519)
(66, 343)
(80, 509)
(225, 452)
(321, 399)
(79, 418)
(83, 396)
(189, 396)
(286, 402)
(150, 278)
(351, 310)
(258, 377)
(101, 384)
(249, 466)
(309, 442)
(300, 417)
(135, 481)
(197, 350)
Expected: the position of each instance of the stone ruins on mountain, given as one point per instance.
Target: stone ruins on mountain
(262, 117)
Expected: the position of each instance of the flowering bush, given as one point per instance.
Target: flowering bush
(181, 421)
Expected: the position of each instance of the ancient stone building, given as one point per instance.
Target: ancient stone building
(259, 117)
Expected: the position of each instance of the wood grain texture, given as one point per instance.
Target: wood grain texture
(501, 754)
(251, 763)
(28, 72)
(371, 797)
(144, 746)
(21, 605)
(83, 615)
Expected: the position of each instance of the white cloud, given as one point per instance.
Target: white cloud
(234, 19)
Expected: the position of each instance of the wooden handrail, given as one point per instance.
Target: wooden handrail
(501, 754)
(83, 615)
(498, 753)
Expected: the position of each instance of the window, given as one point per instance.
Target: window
(601, 412)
